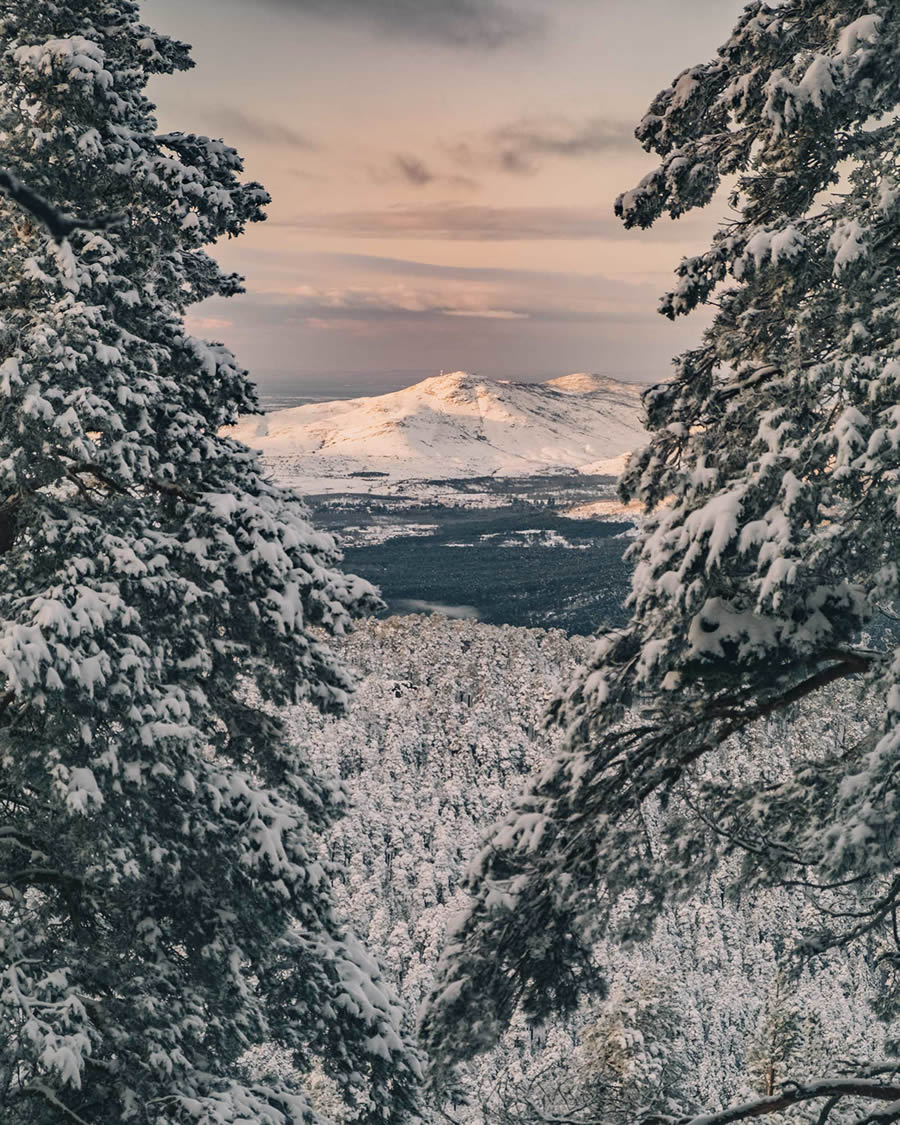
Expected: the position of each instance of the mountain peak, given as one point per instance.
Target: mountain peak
(448, 384)
(584, 382)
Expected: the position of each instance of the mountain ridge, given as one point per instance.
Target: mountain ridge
(457, 425)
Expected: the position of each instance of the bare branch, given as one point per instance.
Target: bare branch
(97, 472)
(36, 876)
(88, 468)
(549, 1119)
(827, 1108)
(883, 1116)
(794, 1094)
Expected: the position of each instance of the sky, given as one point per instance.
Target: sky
(443, 175)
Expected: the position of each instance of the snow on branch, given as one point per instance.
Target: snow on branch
(60, 224)
(794, 1093)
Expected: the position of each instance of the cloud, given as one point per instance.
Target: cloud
(475, 223)
(484, 24)
(412, 292)
(455, 222)
(518, 146)
(414, 172)
(236, 123)
(207, 326)
(271, 267)
(343, 263)
(343, 312)
(394, 299)
(488, 314)
(306, 174)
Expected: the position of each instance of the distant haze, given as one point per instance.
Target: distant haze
(443, 178)
(281, 389)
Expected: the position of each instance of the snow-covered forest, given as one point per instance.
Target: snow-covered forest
(268, 857)
(446, 727)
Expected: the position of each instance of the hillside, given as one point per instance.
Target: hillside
(583, 382)
(454, 426)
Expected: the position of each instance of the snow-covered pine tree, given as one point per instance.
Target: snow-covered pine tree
(773, 474)
(778, 1038)
(162, 907)
(634, 1053)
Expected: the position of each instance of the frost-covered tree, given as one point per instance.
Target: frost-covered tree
(772, 475)
(163, 906)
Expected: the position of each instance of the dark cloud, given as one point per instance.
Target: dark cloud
(336, 268)
(462, 222)
(236, 124)
(406, 267)
(519, 146)
(486, 24)
(559, 137)
(375, 310)
(414, 172)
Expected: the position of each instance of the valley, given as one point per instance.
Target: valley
(473, 498)
(521, 563)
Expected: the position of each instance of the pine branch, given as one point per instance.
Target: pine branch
(60, 224)
(35, 876)
(8, 512)
(45, 1092)
(848, 663)
(166, 488)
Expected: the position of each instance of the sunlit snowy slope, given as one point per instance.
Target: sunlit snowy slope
(454, 426)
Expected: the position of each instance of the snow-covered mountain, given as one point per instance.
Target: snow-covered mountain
(453, 426)
(583, 382)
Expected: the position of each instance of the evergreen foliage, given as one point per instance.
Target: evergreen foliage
(772, 478)
(163, 905)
